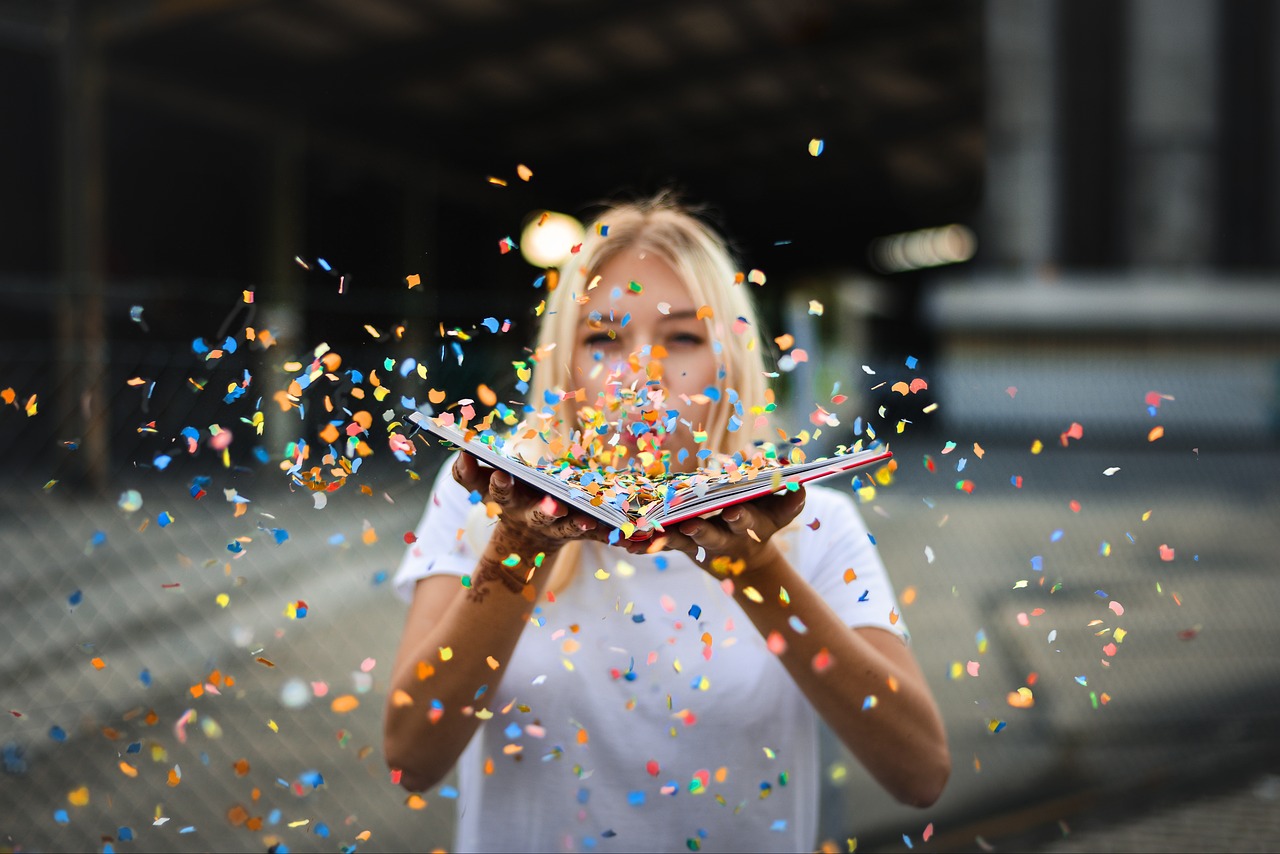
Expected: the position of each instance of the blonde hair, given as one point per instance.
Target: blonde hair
(700, 257)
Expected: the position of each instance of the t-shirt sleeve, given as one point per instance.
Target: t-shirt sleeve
(841, 543)
(440, 545)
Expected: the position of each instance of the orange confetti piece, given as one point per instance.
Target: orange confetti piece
(704, 312)
(345, 703)
(8, 396)
(583, 738)
(415, 802)
(98, 663)
(413, 280)
(127, 769)
(1156, 433)
(79, 797)
(435, 395)
(175, 777)
(241, 767)
(850, 575)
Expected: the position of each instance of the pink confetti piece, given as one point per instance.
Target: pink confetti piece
(1166, 552)
(1117, 607)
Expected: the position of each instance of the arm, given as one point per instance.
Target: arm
(479, 626)
(901, 740)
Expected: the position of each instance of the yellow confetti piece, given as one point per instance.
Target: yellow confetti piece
(815, 148)
(273, 725)
(79, 797)
(446, 653)
(223, 599)
(248, 296)
(1037, 446)
(345, 703)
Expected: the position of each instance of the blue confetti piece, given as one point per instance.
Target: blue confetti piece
(229, 344)
(199, 347)
(162, 461)
(1101, 593)
(57, 733)
(1056, 536)
(961, 463)
(337, 539)
(324, 265)
(712, 392)
(637, 618)
(635, 799)
(98, 538)
(281, 535)
(1083, 680)
(866, 594)
(660, 562)
(551, 398)
(448, 792)
(589, 842)
(322, 830)
(108, 848)
(124, 834)
(475, 497)
(490, 323)
(234, 547)
(614, 536)
(145, 678)
(1037, 563)
(695, 611)
(907, 841)
(273, 817)
(379, 577)
(314, 779)
(164, 520)
(135, 747)
(779, 825)
(584, 795)
(61, 817)
(75, 598)
(513, 730)
(912, 361)
(871, 537)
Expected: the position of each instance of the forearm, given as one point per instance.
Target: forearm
(898, 736)
(453, 667)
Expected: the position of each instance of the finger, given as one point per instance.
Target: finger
(468, 472)
(500, 487)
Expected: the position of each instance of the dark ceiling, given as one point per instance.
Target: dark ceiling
(403, 109)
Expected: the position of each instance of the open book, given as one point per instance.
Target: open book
(633, 502)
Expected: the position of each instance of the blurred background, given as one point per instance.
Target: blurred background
(232, 226)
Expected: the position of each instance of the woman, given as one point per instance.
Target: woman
(658, 695)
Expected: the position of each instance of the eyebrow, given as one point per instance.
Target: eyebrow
(605, 320)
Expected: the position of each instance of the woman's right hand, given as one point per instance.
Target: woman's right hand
(528, 521)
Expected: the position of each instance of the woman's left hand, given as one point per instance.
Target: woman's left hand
(733, 543)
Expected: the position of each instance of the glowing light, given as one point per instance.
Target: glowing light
(549, 237)
(928, 247)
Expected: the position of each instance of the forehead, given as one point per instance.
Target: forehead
(636, 281)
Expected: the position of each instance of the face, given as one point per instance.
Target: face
(645, 360)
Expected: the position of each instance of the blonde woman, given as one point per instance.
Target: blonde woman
(660, 695)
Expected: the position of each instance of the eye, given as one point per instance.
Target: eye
(601, 340)
(687, 339)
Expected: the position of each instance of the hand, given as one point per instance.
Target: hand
(529, 521)
(737, 541)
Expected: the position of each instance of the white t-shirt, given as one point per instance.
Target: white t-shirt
(643, 710)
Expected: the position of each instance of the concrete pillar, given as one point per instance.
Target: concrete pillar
(82, 351)
(1019, 207)
(282, 295)
(1171, 80)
